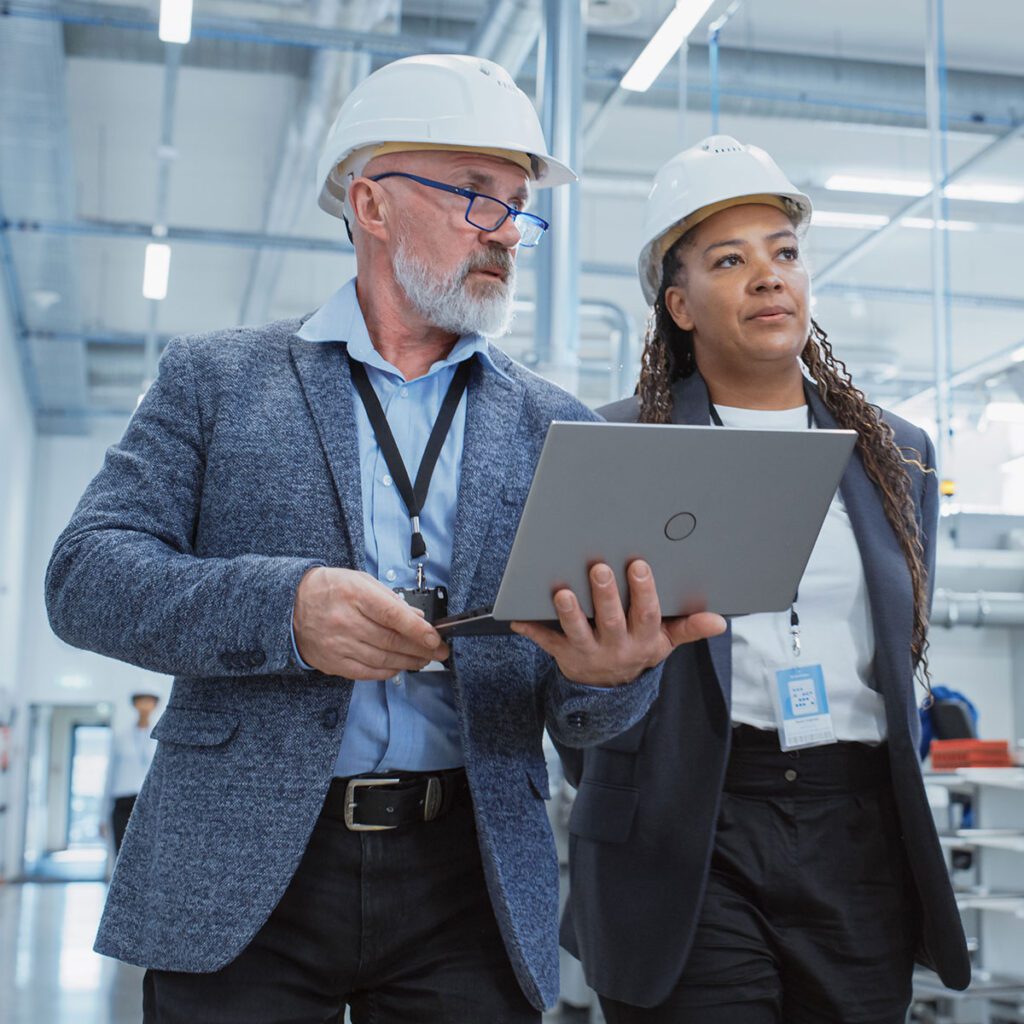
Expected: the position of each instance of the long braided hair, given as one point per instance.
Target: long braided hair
(669, 355)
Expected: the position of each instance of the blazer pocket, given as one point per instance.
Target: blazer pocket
(190, 727)
(603, 813)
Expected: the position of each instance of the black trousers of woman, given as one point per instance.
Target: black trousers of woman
(810, 915)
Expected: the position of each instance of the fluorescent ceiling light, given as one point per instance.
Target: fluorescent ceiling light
(1018, 355)
(1013, 465)
(947, 225)
(157, 271)
(1005, 412)
(843, 219)
(658, 52)
(980, 192)
(175, 21)
(882, 186)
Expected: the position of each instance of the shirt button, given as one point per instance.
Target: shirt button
(386, 480)
(397, 680)
(391, 575)
(404, 392)
(790, 775)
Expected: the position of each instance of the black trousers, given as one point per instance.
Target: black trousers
(810, 915)
(119, 816)
(397, 925)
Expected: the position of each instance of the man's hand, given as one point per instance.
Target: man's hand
(349, 624)
(619, 647)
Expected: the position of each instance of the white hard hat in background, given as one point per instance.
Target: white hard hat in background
(434, 101)
(710, 176)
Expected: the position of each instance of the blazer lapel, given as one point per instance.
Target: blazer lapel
(890, 592)
(324, 376)
(494, 404)
(692, 406)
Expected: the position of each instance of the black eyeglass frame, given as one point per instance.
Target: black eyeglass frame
(470, 195)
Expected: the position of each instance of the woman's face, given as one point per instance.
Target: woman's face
(743, 291)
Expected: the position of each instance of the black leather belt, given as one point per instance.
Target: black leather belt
(375, 803)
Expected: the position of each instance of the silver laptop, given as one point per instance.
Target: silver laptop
(727, 518)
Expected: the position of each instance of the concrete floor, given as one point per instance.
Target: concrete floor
(48, 971)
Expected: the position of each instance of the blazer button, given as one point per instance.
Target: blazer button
(577, 720)
(329, 718)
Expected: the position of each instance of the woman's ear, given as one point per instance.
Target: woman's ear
(675, 303)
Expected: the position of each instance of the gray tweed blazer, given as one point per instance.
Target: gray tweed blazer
(238, 472)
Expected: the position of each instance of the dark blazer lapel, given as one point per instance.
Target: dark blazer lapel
(494, 404)
(324, 376)
(691, 406)
(890, 591)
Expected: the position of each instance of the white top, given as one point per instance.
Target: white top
(836, 630)
(131, 752)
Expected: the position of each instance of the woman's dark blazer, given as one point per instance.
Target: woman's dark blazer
(643, 821)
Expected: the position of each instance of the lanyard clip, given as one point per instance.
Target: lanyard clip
(795, 632)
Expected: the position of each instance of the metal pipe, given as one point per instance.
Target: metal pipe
(977, 609)
(855, 252)
(714, 32)
(940, 283)
(558, 261)
(253, 30)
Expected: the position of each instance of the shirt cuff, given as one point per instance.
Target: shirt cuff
(295, 647)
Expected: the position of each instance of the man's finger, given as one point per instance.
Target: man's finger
(609, 617)
(644, 606)
(547, 639)
(380, 636)
(393, 613)
(578, 631)
(688, 628)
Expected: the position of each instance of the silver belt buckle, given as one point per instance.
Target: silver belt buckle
(350, 804)
(432, 801)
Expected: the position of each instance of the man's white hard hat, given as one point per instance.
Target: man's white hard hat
(434, 101)
(698, 182)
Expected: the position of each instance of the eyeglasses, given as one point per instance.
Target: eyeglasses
(484, 212)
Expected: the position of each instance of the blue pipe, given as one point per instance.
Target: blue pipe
(17, 312)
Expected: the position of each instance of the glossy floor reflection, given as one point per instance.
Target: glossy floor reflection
(48, 971)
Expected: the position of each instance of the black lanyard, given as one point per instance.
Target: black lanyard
(414, 497)
(794, 619)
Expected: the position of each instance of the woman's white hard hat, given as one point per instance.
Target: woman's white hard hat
(698, 182)
(434, 101)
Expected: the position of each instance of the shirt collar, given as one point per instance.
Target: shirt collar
(341, 319)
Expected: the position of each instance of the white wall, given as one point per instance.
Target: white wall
(51, 671)
(17, 444)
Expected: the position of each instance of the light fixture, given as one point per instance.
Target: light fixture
(682, 20)
(881, 186)
(980, 192)
(175, 21)
(845, 219)
(157, 271)
(947, 225)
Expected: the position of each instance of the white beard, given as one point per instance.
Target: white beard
(446, 302)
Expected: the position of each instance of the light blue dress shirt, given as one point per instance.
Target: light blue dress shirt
(409, 722)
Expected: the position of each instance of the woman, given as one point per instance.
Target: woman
(717, 877)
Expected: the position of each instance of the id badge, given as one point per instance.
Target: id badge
(801, 708)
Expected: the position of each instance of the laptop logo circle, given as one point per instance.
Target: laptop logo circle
(680, 526)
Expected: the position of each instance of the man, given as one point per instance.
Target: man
(247, 534)
(131, 753)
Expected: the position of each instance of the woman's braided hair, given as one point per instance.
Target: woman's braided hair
(669, 355)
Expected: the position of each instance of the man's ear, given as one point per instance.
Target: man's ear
(678, 309)
(370, 209)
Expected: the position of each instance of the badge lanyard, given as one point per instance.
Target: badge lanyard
(794, 619)
(799, 694)
(413, 497)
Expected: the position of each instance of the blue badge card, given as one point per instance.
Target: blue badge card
(801, 708)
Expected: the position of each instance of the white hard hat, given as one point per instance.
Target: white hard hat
(434, 101)
(716, 173)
